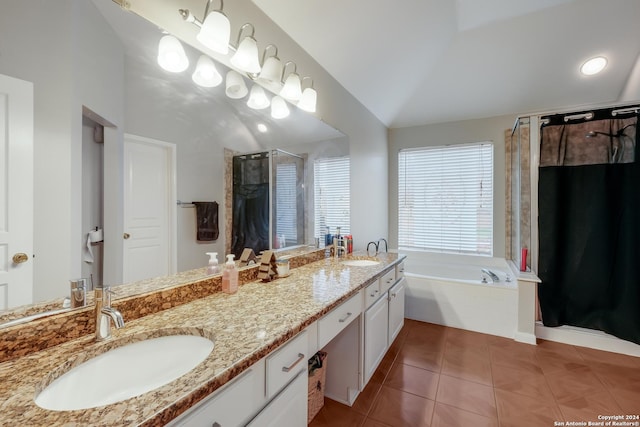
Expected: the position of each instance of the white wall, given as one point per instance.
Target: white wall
(62, 66)
(489, 129)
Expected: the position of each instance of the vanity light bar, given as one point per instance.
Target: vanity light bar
(246, 58)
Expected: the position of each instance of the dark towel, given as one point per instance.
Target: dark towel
(207, 220)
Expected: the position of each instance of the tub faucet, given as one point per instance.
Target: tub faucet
(491, 274)
(105, 314)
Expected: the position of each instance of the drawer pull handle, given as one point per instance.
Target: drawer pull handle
(344, 319)
(298, 360)
(216, 425)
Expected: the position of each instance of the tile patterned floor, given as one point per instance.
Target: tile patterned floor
(446, 377)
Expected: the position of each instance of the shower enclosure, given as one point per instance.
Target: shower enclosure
(572, 202)
(268, 206)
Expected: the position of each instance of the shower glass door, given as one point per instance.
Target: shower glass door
(287, 200)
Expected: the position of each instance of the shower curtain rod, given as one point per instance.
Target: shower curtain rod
(581, 111)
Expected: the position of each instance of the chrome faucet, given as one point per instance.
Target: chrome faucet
(386, 245)
(491, 274)
(375, 245)
(105, 314)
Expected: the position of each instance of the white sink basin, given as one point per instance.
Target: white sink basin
(125, 372)
(360, 262)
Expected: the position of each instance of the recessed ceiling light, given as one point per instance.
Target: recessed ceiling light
(593, 66)
(262, 127)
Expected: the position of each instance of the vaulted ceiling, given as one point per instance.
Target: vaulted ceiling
(413, 62)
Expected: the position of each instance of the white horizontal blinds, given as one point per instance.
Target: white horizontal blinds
(445, 199)
(331, 196)
(286, 214)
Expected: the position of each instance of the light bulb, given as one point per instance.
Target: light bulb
(215, 32)
(246, 57)
(593, 66)
(308, 100)
(279, 109)
(206, 74)
(236, 88)
(171, 55)
(258, 99)
(292, 90)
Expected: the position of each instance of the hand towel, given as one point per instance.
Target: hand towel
(207, 221)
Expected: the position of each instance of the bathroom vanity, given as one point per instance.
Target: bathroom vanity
(257, 372)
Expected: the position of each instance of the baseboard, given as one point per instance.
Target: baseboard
(587, 338)
(353, 394)
(526, 338)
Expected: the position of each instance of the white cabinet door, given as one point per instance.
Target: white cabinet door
(396, 309)
(231, 406)
(375, 336)
(288, 409)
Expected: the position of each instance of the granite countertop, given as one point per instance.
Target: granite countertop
(245, 327)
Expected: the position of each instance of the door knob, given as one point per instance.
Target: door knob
(126, 235)
(20, 257)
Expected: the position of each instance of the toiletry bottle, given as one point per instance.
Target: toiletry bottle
(230, 276)
(213, 267)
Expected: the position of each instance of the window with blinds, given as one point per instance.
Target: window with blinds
(286, 201)
(445, 199)
(331, 195)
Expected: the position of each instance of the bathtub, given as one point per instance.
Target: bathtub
(449, 290)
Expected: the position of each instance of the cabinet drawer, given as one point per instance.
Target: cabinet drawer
(400, 271)
(285, 363)
(387, 281)
(338, 318)
(371, 293)
(232, 405)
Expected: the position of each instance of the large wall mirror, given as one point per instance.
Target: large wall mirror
(97, 87)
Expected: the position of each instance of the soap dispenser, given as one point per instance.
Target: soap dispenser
(213, 267)
(230, 276)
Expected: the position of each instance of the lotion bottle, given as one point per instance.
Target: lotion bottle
(213, 267)
(230, 276)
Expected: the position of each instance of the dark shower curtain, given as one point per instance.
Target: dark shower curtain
(250, 203)
(589, 222)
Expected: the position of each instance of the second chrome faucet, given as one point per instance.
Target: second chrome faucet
(104, 314)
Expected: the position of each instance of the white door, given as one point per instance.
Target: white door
(16, 192)
(376, 324)
(149, 209)
(396, 309)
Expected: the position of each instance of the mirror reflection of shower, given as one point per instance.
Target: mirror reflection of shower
(268, 201)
